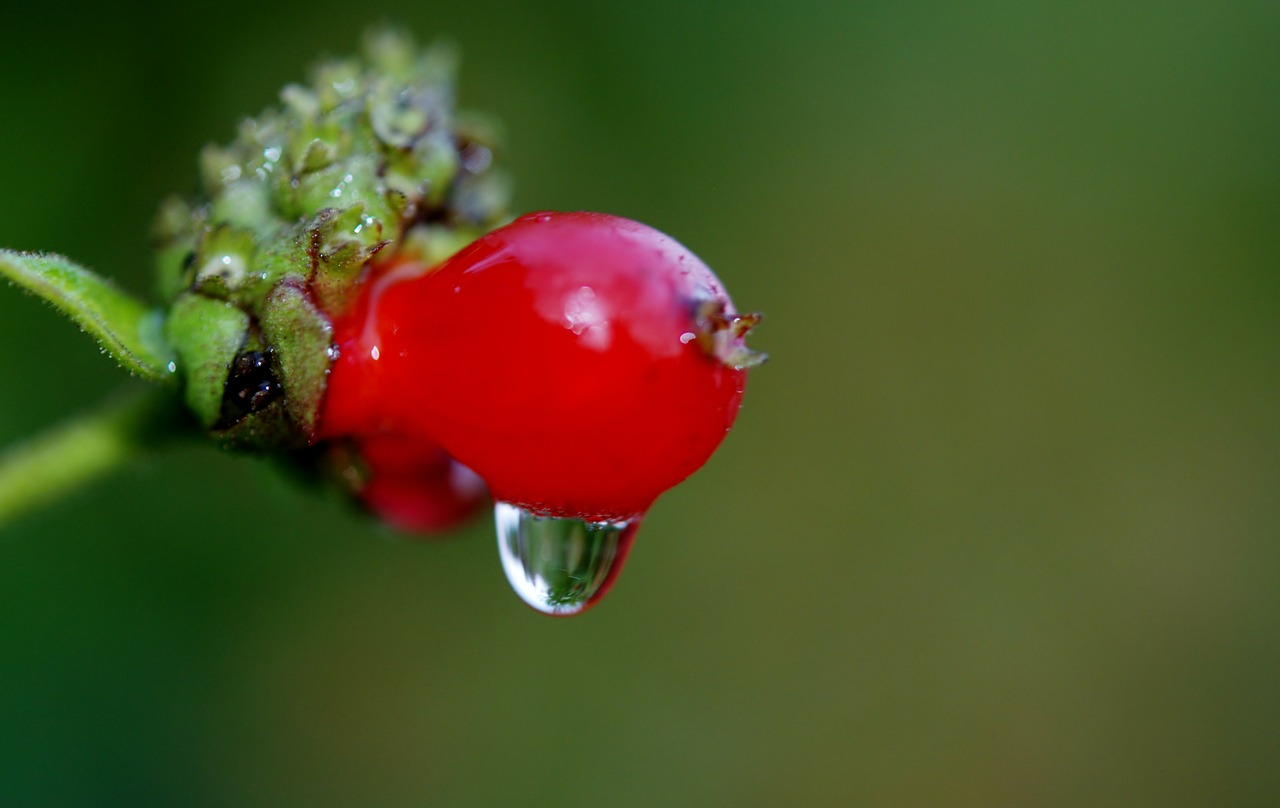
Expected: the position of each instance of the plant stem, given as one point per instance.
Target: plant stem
(79, 451)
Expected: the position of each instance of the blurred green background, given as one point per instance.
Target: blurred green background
(998, 524)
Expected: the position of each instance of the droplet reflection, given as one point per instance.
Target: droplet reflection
(560, 566)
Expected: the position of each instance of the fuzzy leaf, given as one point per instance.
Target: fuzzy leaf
(124, 328)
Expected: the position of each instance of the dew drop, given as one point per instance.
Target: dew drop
(560, 566)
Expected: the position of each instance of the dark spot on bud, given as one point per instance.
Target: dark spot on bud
(252, 386)
(189, 260)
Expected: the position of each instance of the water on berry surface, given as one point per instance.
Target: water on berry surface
(560, 566)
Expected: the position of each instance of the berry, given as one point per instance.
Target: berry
(413, 484)
(338, 295)
(580, 363)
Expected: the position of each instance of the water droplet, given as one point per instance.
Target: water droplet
(560, 566)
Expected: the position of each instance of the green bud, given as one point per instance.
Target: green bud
(368, 158)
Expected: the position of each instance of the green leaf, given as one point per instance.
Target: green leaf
(124, 328)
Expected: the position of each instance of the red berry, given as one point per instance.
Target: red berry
(580, 363)
(414, 485)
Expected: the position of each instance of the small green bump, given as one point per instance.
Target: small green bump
(343, 242)
(339, 185)
(352, 225)
(317, 155)
(399, 115)
(333, 133)
(390, 52)
(398, 206)
(300, 101)
(224, 262)
(219, 167)
(336, 81)
(284, 258)
(173, 220)
(251, 133)
(426, 171)
(244, 203)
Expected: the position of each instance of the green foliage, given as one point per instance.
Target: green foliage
(125, 329)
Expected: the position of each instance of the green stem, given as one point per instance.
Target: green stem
(76, 453)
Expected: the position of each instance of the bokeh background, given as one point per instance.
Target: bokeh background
(998, 524)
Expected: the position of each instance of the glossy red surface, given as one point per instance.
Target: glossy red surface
(415, 486)
(557, 357)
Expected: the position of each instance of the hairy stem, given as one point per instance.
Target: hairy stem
(50, 466)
